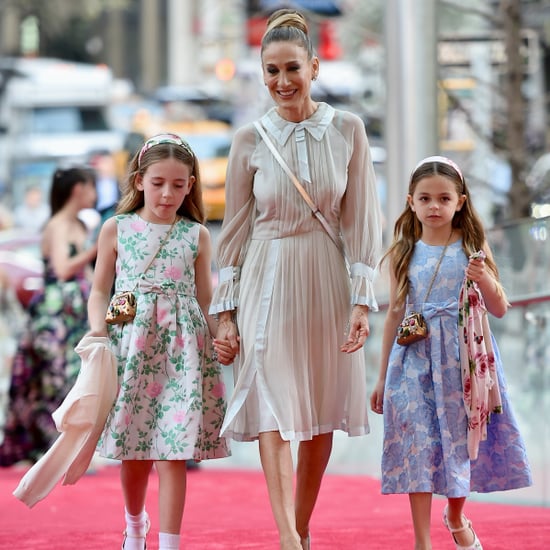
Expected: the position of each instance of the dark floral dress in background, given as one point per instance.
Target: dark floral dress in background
(45, 366)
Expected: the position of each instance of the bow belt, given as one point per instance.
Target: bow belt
(431, 309)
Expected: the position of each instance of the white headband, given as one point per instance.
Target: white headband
(443, 160)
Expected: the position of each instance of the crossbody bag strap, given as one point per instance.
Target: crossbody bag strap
(435, 272)
(163, 242)
(314, 208)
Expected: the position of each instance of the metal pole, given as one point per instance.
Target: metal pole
(411, 108)
(149, 45)
(182, 49)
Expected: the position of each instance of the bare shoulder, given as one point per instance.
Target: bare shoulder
(109, 227)
(204, 235)
(108, 234)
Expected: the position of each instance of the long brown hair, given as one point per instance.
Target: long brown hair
(408, 229)
(132, 198)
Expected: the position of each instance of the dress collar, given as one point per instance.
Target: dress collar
(316, 124)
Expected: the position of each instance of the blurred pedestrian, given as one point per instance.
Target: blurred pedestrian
(171, 398)
(108, 192)
(33, 212)
(12, 322)
(45, 366)
(448, 425)
(285, 302)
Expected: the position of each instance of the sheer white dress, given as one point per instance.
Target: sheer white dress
(288, 282)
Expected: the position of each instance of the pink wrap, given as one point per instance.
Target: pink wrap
(477, 360)
(80, 419)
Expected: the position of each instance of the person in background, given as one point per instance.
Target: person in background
(433, 440)
(285, 302)
(45, 366)
(171, 398)
(34, 212)
(12, 322)
(108, 192)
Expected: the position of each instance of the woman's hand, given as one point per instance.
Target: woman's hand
(358, 329)
(226, 342)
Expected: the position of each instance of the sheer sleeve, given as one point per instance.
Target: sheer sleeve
(239, 215)
(361, 216)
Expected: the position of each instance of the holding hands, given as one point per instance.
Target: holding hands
(227, 340)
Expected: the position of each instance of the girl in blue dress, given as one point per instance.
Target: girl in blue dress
(420, 390)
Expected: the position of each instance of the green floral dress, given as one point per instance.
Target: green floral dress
(171, 398)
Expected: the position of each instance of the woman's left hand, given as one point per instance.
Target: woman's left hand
(358, 329)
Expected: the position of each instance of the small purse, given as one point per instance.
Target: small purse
(414, 327)
(122, 307)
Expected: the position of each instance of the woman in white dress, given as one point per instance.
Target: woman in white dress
(285, 302)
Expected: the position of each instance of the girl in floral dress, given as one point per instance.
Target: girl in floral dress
(171, 399)
(428, 426)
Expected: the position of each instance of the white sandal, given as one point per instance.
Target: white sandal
(466, 524)
(142, 535)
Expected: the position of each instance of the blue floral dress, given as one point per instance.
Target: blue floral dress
(425, 422)
(171, 399)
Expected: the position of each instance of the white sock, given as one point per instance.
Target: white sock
(168, 541)
(136, 529)
(136, 525)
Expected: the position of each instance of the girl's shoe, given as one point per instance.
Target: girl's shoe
(306, 543)
(142, 535)
(466, 524)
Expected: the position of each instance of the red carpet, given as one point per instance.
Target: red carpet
(229, 509)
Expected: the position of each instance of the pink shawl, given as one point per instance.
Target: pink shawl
(477, 361)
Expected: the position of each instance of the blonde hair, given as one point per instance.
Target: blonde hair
(408, 229)
(132, 198)
(288, 25)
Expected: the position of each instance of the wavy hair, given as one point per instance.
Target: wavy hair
(408, 229)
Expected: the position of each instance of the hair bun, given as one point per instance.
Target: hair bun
(287, 18)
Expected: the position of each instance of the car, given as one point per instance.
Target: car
(212, 150)
(20, 259)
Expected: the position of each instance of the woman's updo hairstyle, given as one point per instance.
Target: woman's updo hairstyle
(288, 26)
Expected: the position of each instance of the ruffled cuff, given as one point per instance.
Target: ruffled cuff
(226, 294)
(362, 286)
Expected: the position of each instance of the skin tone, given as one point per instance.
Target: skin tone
(435, 202)
(165, 185)
(288, 74)
(64, 228)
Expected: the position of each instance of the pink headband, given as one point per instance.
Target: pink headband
(443, 160)
(164, 138)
